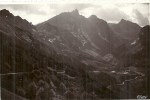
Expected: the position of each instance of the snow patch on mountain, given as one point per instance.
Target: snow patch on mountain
(52, 40)
(91, 52)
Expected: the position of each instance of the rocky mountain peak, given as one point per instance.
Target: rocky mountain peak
(75, 12)
(7, 18)
(5, 13)
(127, 22)
(93, 17)
(123, 21)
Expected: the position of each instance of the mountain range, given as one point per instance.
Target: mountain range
(67, 56)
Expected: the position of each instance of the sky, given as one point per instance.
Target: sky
(36, 13)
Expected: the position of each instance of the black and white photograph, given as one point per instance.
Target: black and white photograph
(75, 51)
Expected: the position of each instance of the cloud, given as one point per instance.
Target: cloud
(27, 8)
(59, 8)
(112, 14)
(107, 12)
(37, 13)
(34, 13)
(140, 18)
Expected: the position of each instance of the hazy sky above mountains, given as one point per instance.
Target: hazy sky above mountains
(36, 13)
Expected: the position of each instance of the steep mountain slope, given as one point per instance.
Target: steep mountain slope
(142, 48)
(138, 56)
(75, 34)
(126, 29)
(17, 40)
(142, 57)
